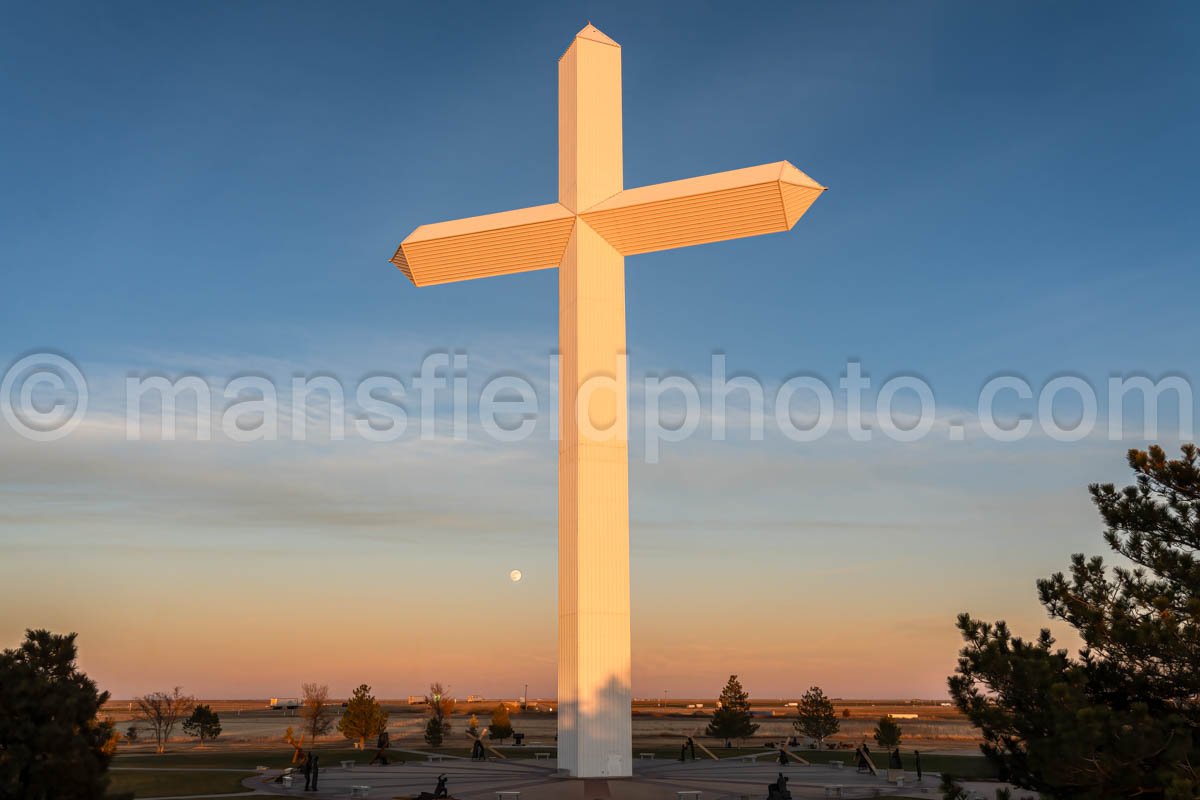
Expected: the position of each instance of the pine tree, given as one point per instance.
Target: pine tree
(52, 743)
(887, 733)
(363, 718)
(951, 789)
(500, 728)
(731, 720)
(817, 718)
(1122, 719)
(433, 732)
(204, 724)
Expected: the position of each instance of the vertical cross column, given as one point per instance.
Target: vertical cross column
(594, 736)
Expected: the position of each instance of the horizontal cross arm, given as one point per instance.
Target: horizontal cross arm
(726, 205)
(480, 247)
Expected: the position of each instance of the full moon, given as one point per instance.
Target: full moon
(515, 575)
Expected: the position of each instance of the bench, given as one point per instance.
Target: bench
(347, 765)
(359, 791)
(432, 757)
(646, 755)
(509, 795)
(541, 756)
(836, 764)
(833, 791)
(688, 794)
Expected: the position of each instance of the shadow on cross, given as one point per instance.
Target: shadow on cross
(607, 723)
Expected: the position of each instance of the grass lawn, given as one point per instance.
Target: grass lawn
(959, 766)
(174, 783)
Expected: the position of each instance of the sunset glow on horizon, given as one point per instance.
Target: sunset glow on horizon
(214, 212)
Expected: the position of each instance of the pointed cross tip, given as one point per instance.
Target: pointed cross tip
(788, 173)
(594, 34)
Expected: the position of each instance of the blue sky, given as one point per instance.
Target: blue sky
(216, 188)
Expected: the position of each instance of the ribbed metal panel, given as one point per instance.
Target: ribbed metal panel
(594, 736)
(590, 149)
(594, 677)
(479, 247)
(711, 208)
(684, 221)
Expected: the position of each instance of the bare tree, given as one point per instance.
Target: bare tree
(315, 710)
(161, 710)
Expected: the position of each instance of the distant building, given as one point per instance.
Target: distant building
(903, 716)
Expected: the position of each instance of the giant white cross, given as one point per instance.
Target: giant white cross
(587, 234)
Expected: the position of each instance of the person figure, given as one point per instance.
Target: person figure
(691, 743)
(306, 768)
(862, 759)
(782, 756)
(683, 752)
(917, 756)
(381, 746)
(894, 761)
(440, 791)
(316, 770)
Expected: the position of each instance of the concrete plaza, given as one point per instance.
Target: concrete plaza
(658, 779)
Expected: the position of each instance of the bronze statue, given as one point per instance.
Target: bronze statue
(778, 790)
